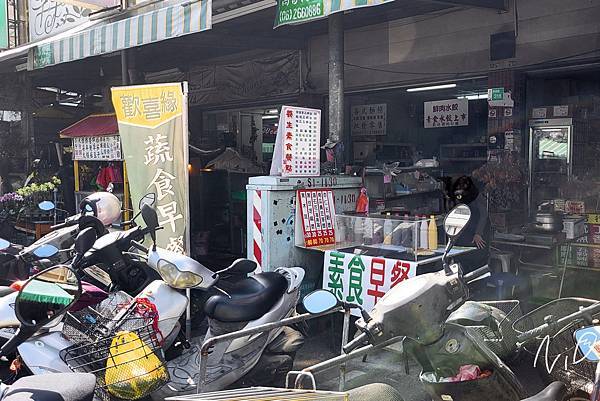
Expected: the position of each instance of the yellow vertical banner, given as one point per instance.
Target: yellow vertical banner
(153, 128)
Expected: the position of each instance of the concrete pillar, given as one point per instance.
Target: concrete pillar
(336, 77)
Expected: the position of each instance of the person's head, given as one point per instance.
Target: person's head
(464, 190)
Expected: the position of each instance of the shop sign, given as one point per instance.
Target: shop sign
(47, 17)
(97, 148)
(153, 128)
(92, 4)
(315, 218)
(293, 11)
(297, 146)
(3, 24)
(447, 113)
(369, 120)
(496, 94)
(361, 279)
(298, 11)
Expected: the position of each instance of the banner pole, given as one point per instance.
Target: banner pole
(186, 161)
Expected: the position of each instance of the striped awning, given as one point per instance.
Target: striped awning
(166, 23)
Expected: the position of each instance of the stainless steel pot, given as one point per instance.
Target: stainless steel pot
(548, 222)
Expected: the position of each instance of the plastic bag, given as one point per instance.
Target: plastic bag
(132, 369)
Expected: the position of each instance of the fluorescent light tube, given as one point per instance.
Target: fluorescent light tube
(431, 88)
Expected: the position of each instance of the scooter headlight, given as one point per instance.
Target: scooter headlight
(176, 278)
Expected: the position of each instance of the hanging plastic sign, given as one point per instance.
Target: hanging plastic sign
(361, 279)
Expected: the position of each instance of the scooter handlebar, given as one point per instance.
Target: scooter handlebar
(357, 342)
(476, 274)
(139, 246)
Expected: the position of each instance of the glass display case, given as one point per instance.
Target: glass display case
(408, 238)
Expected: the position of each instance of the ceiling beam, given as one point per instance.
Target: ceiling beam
(500, 5)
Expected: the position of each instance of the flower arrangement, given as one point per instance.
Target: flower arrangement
(27, 197)
(504, 179)
(11, 203)
(37, 189)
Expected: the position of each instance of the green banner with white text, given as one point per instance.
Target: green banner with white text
(299, 11)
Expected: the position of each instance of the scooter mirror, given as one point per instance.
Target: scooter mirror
(45, 251)
(456, 220)
(319, 301)
(588, 342)
(46, 206)
(47, 295)
(151, 219)
(4, 244)
(147, 199)
(85, 240)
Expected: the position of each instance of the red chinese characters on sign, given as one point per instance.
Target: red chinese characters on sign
(400, 272)
(377, 279)
(317, 212)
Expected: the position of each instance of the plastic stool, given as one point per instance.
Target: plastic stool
(504, 258)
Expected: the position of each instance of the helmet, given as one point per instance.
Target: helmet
(105, 206)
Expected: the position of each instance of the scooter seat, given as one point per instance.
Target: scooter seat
(554, 392)
(250, 299)
(53, 387)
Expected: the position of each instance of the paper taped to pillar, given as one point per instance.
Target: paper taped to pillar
(361, 279)
(298, 11)
(152, 125)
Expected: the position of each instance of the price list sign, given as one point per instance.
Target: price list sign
(297, 148)
(97, 148)
(316, 224)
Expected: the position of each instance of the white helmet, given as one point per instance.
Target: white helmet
(105, 206)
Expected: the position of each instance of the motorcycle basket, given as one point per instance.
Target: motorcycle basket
(125, 355)
(560, 346)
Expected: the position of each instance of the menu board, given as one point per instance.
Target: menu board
(315, 217)
(297, 147)
(97, 148)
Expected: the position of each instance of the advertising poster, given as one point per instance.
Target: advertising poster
(153, 129)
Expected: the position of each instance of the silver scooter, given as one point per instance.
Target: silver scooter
(253, 301)
(416, 312)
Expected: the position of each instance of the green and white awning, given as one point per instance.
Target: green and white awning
(165, 23)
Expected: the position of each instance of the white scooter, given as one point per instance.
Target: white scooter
(42, 299)
(252, 301)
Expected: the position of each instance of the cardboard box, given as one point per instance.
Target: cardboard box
(574, 227)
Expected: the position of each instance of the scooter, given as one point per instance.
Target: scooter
(253, 301)
(98, 211)
(416, 312)
(43, 299)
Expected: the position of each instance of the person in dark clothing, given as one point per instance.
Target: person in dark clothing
(477, 233)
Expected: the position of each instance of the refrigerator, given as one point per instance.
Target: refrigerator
(550, 159)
